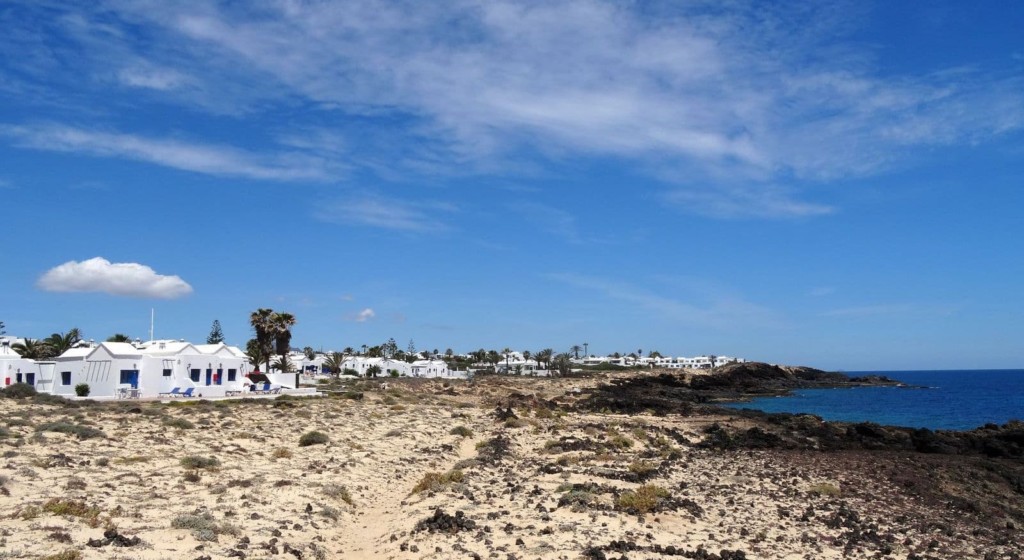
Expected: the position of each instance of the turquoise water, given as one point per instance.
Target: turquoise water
(948, 400)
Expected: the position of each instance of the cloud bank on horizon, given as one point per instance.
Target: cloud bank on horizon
(118, 279)
(737, 111)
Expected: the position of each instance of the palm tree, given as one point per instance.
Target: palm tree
(119, 337)
(335, 363)
(282, 332)
(262, 322)
(507, 352)
(576, 350)
(562, 363)
(527, 354)
(283, 364)
(62, 342)
(256, 354)
(32, 349)
(545, 357)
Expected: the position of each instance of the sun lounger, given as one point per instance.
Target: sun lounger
(187, 392)
(175, 392)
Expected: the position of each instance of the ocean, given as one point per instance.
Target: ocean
(947, 400)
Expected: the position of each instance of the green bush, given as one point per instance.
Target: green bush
(313, 438)
(18, 391)
(462, 431)
(434, 481)
(642, 500)
(82, 432)
(180, 423)
(203, 526)
(82, 389)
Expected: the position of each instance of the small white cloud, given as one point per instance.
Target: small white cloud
(152, 78)
(363, 316)
(757, 201)
(120, 279)
(419, 216)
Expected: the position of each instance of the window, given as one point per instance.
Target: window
(167, 373)
(194, 375)
(65, 378)
(18, 376)
(232, 374)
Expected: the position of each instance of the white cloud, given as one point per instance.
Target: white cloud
(197, 157)
(387, 213)
(363, 316)
(120, 279)
(761, 201)
(161, 79)
(743, 93)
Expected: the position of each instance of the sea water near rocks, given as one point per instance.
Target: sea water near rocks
(946, 400)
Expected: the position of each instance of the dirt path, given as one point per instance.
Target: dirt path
(385, 511)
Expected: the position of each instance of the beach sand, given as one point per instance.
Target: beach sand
(432, 469)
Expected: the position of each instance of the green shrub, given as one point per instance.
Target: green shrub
(18, 391)
(282, 453)
(82, 432)
(313, 438)
(339, 492)
(642, 500)
(198, 462)
(462, 431)
(82, 389)
(434, 481)
(203, 526)
(180, 423)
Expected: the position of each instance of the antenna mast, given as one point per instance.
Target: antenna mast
(152, 316)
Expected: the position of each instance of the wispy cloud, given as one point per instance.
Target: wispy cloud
(748, 94)
(177, 154)
(698, 309)
(760, 201)
(387, 213)
(120, 279)
(146, 77)
(363, 316)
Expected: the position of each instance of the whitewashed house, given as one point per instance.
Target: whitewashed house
(429, 368)
(15, 369)
(104, 367)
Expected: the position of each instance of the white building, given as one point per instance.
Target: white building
(15, 369)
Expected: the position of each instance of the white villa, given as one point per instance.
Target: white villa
(143, 369)
(418, 368)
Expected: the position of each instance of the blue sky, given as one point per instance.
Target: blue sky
(837, 185)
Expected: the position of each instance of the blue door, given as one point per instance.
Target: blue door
(130, 377)
(30, 378)
(209, 376)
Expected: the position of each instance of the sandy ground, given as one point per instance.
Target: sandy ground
(540, 484)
